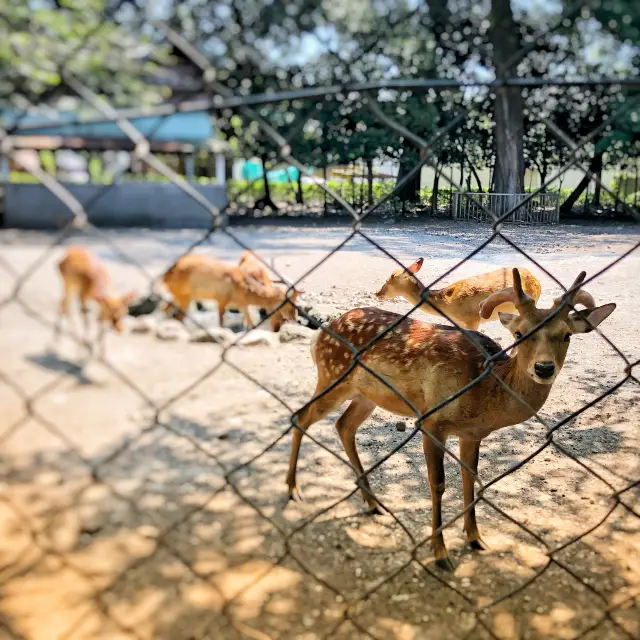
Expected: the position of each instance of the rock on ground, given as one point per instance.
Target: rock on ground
(144, 306)
(143, 324)
(319, 314)
(296, 333)
(171, 330)
(258, 337)
(216, 335)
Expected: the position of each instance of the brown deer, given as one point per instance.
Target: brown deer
(427, 364)
(196, 277)
(255, 269)
(461, 300)
(85, 277)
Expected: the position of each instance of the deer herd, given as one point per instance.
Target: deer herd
(455, 380)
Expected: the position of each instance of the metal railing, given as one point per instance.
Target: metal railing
(542, 208)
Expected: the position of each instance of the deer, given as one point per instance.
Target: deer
(197, 277)
(85, 277)
(461, 300)
(254, 268)
(425, 364)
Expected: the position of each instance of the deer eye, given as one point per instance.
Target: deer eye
(567, 338)
(518, 335)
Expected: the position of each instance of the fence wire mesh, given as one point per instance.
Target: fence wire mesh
(197, 588)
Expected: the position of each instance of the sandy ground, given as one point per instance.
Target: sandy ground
(146, 498)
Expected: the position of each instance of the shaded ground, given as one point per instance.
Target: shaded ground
(137, 504)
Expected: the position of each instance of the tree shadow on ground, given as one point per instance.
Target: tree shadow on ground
(187, 533)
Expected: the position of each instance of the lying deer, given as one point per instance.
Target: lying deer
(196, 277)
(86, 278)
(461, 300)
(427, 364)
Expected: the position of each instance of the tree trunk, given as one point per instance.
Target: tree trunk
(411, 191)
(266, 199)
(299, 192)
(570, 202)
(353, 184)
(324, 177)
(596, 195)
(618, 192)
(508, 105)
(370, 182)
(476, 176)
(543, 173)
(434, 193)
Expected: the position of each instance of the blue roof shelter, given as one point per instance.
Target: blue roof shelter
(177, 132)
(191, 128)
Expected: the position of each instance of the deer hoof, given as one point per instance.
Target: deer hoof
(295, 495)
(478, 544)
(445, 564)
(375, 510)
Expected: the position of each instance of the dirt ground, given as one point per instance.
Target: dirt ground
(146, 497)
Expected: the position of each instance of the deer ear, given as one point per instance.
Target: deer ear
(416, 266)
(506, 319)
(587, 320)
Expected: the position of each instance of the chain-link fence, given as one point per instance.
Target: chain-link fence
(182, 529)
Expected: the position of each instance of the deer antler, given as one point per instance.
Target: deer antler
(515, 295)
(575, 295)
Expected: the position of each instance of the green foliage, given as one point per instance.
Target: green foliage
(633, 199)
(109, 57)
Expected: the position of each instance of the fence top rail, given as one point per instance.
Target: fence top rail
(493, 193)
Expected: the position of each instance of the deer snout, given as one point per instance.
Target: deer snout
(544, 370)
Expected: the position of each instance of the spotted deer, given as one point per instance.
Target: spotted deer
(425, 364)
(197, 277)
(85, 277)
(461, 300)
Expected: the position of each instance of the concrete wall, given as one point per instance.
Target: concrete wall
(131, 204)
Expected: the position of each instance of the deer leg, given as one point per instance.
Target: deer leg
(84, 310)
(222, 307)
(102, 331)
(469, 454)
(347, 425)
(180, 305)
(315, 411)
(276, 321)
(248, 320)
(435, 469)
(63, 311)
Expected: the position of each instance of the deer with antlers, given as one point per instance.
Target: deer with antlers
(414, 367)
(85, 277)
(197, 277)
(461, 300)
